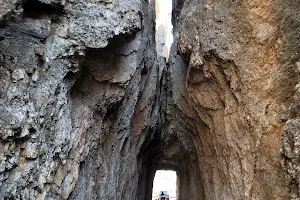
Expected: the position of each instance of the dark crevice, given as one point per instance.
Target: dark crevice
(120, 40)
(177, 7)
(37, 9)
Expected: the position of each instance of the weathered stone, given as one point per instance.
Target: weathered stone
(9, 9)
(240, 79)
(87, 107)
(72, 74)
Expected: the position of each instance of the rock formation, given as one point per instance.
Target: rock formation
(240, 61)
(80, 95)
(89, 111)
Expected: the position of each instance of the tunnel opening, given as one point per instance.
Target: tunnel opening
(172, 146)
(165, 184)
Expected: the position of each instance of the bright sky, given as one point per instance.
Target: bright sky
(164, 180)
(164, 17)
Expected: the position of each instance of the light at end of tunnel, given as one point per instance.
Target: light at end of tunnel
(165, 180)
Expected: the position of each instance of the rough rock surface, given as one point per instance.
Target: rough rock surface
(240, 60)
(79, 93)
(88, 111)
(10, 9)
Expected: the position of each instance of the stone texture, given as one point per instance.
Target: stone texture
(88, 110)
(10, 9)
(240, 77)
(290, 144)
(80, 94)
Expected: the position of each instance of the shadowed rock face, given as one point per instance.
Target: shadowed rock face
(88, 110)
(241, 72)
(80, 95)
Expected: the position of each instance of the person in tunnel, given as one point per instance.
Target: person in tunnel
(163, 195)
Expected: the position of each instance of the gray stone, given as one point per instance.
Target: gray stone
(87, 106)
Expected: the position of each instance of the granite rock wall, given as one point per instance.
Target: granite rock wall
(80, 94)
(241, 61)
